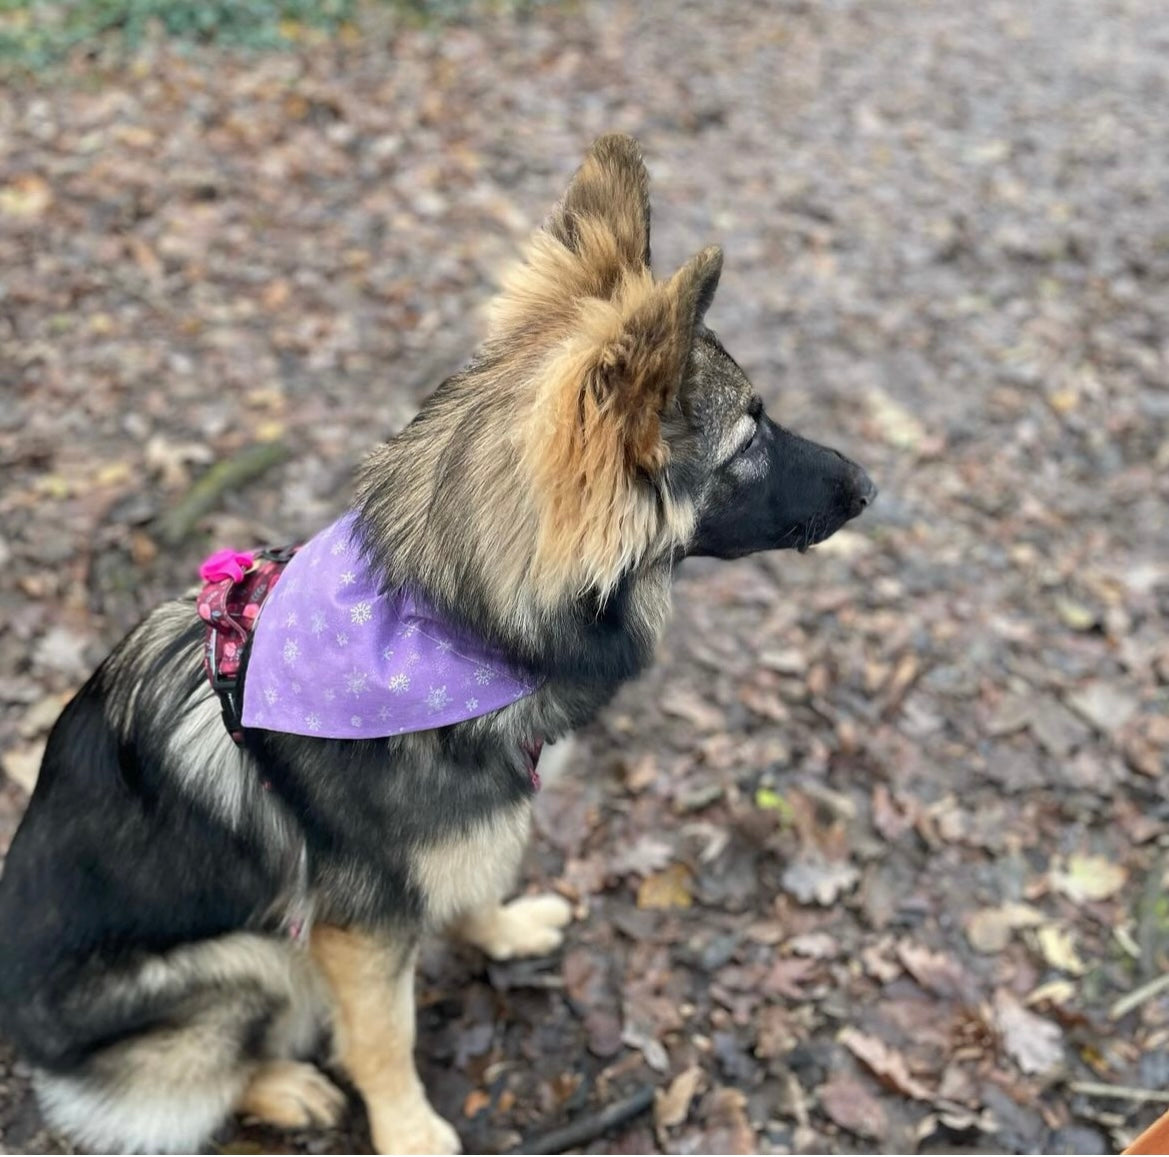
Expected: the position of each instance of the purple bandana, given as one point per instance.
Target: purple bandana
(333, 657)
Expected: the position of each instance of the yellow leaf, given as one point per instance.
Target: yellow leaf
(772, 801)
(26, 196)
(668, 889)
(1059, 949)
(1088, 878)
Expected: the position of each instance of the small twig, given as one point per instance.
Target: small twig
(1138, 996)
(585, 1129)
(1118, 1092)
(249, 463)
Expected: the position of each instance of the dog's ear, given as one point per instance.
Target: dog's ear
(630, 358)
(696, 282)
(611, 189)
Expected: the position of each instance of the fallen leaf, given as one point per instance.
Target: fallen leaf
(989, 929)
(22, 764)
(850, 1105)
(818, 945)
(770, 800)
(814, 879)
(25, 196)
(476, 1101)
(729, 1129)
(668, 889)
(884, 1062)
(1088, 878)
(1059, 949)
(683, 703)
(672, 1106)
(1105, 706)
(1035, 1044)
(935, 971)
(648, 853)
(786, 975)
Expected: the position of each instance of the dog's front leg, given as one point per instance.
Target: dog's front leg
(529, 926)
(372, 981)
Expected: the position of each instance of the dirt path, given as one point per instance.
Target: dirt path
(903, 799)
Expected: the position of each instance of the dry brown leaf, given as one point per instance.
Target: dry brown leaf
(476, 1101)
(817, 945)
(786, 975)
(672, 1106)
(814, 879)
(850, 1105)
(1035, 1044)
(989, 929)
(22, 764)
(935, 971)
(683, 703)
(668, 889)
(884, 1062)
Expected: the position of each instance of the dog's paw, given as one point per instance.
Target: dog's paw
(414, 1129)
(529, 926)
(292, 1095)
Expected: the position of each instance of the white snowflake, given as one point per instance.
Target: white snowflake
(384, 712)
(291, 651)
(445, 646)
(318, 623)
(292, 584)
(342, 639)
(361, 612)
(290, 619)
(329, 694)
(471, 704)
(271, 695)
(337, 549)
(348, 578)
(409, 630)
(399, 683)
(312, 721)
(354, 720)
(356, 683)
(315, 560)
(484, 675)
(413, 659)
(437, 698)
(387, 653)
(295, 688)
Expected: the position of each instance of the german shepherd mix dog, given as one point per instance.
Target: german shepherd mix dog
(186, 915)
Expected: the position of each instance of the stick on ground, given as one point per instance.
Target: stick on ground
(585, 1129)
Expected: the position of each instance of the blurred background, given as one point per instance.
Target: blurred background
(875, 859)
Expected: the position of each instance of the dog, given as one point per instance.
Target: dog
(189, 909)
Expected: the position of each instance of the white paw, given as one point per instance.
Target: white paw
(416, 1129)
(292, 1095)
(529, 926)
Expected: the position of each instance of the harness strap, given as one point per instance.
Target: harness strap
(235, 587)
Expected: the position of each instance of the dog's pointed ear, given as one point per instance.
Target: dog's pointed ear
(695, 284)
(611, 188)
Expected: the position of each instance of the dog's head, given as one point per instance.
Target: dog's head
(643, 436)
(601, 433)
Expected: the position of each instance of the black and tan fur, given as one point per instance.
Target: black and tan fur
(542, 499)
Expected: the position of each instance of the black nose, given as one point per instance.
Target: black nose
(863, 493)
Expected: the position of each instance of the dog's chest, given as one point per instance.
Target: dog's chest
(473, 869)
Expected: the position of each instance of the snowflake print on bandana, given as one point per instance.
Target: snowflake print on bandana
(307, 677)
(437, 698)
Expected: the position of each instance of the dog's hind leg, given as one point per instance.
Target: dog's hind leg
(215, 1024)
(372, 982)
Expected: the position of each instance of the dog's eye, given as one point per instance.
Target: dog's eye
(749, 445)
